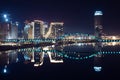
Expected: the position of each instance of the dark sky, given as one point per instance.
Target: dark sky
(77, 15)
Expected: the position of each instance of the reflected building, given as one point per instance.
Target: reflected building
(4, 58)
(12, 56)
(98, 57)
(20, 57)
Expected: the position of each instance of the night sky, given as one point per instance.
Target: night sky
(77, 15)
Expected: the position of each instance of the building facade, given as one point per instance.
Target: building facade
(34, 30)
(98, 24)
(56, 30)
(4, 30)
(8, 30)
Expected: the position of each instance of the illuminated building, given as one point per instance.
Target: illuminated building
(45, 28)
(57, 29)
(37, 29)
(34, 30)
(98, 24)
(30, 32)
(14, 30)
(8, 30)
(26, 29)
(5, 30)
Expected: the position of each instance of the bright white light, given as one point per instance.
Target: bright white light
(79, 44)
(56, 61)
(5, 70)
(113, 37)
(17, 24)
(36, 65)
(97, 13)
(45, 48)
(17, 60)
(32, 60)
(53, 45)
(114, 43)
(5, 16)
(97, 69)
(6, 20)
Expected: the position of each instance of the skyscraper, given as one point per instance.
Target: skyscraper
(14, 30)
(34, 29)
(5, 30)
(8, 29)
(98, 24)
(56, 29)
(26, 30)
(37, 29)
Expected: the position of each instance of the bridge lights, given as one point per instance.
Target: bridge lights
(113, 37)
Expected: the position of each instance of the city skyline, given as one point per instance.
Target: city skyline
(78, 16)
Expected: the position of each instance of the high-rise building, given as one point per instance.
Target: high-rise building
(26, 30)
(56, 30)
(37, 29)
(98, 24)
(34, 30)
(14, 30)
(8, 29)
(45, 28)
(5, 30)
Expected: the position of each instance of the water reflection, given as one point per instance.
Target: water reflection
(97, 58)
(56, 54)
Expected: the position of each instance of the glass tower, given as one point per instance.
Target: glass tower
(98, 24)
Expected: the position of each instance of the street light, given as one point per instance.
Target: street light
(5, 16)
(6, 20)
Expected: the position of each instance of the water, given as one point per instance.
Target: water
(74, 61)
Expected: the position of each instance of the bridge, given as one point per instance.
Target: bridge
(12, 44)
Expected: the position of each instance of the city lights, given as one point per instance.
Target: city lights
(97, 68)
(5, 16)
(5, 69)
(114, 37)
(6, 20)
(98, 13)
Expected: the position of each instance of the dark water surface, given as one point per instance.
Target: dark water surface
(17, 65)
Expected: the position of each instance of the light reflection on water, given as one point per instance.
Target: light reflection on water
(57, 54)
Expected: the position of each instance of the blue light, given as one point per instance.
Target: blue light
(5, 15)
(97, 69)
(5, 70)
(6, 20)
(98, 13)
